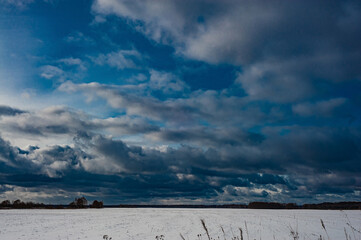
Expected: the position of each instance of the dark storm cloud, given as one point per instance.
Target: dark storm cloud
(126, 158)
(294, 162)
(319, 149)
(70, 169)
(209, 137)
(9, 111)
(290, 161)
(11, 158)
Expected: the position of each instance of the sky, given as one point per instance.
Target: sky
(180, 102)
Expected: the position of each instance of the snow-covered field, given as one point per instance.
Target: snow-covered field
(142, 224)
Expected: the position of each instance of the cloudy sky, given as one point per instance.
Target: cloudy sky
(180, 101)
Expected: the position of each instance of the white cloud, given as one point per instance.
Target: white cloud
(77, 62)
(275, 81)
(282, 47)
(71, 61)
(59, 124)
(166, 82)
(120, 59)
(320, 108)
(211, 106)
(16, 3)
(50, 72)
(32, 194)
(79, 38)
(158, 15)
(64, 69)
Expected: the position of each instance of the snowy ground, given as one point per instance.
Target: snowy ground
(142, 224)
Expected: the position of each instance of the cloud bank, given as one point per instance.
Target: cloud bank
(222, 164)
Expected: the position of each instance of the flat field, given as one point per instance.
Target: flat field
(140, 224)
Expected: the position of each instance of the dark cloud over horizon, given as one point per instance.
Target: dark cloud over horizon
(9, 111)
(224, 166)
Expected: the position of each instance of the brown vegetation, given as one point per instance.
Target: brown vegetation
(97, 204)
(79, 203)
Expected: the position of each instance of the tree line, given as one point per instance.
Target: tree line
(324, 205)
(82, 202)
(77, 203)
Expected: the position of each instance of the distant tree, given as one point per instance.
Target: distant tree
(82, 202)
(97, 204)
(335, 206)
(18, 204)
(79, 203)
(266, 205)
(291, 206)
(5, 204)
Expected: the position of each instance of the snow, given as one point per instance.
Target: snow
(134, 223)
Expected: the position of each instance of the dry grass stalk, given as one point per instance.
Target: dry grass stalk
(352, 228)
(205, 228)
(241, 233)
(224, 234)
(294, 233)
(345, 233)
(182, 236)
(324, 227)
(245, 223)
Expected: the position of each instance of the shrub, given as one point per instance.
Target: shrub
(97, 204)
(5, 204)
(79, 203)
(18, 204)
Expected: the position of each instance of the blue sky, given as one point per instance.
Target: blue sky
(180, 101)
